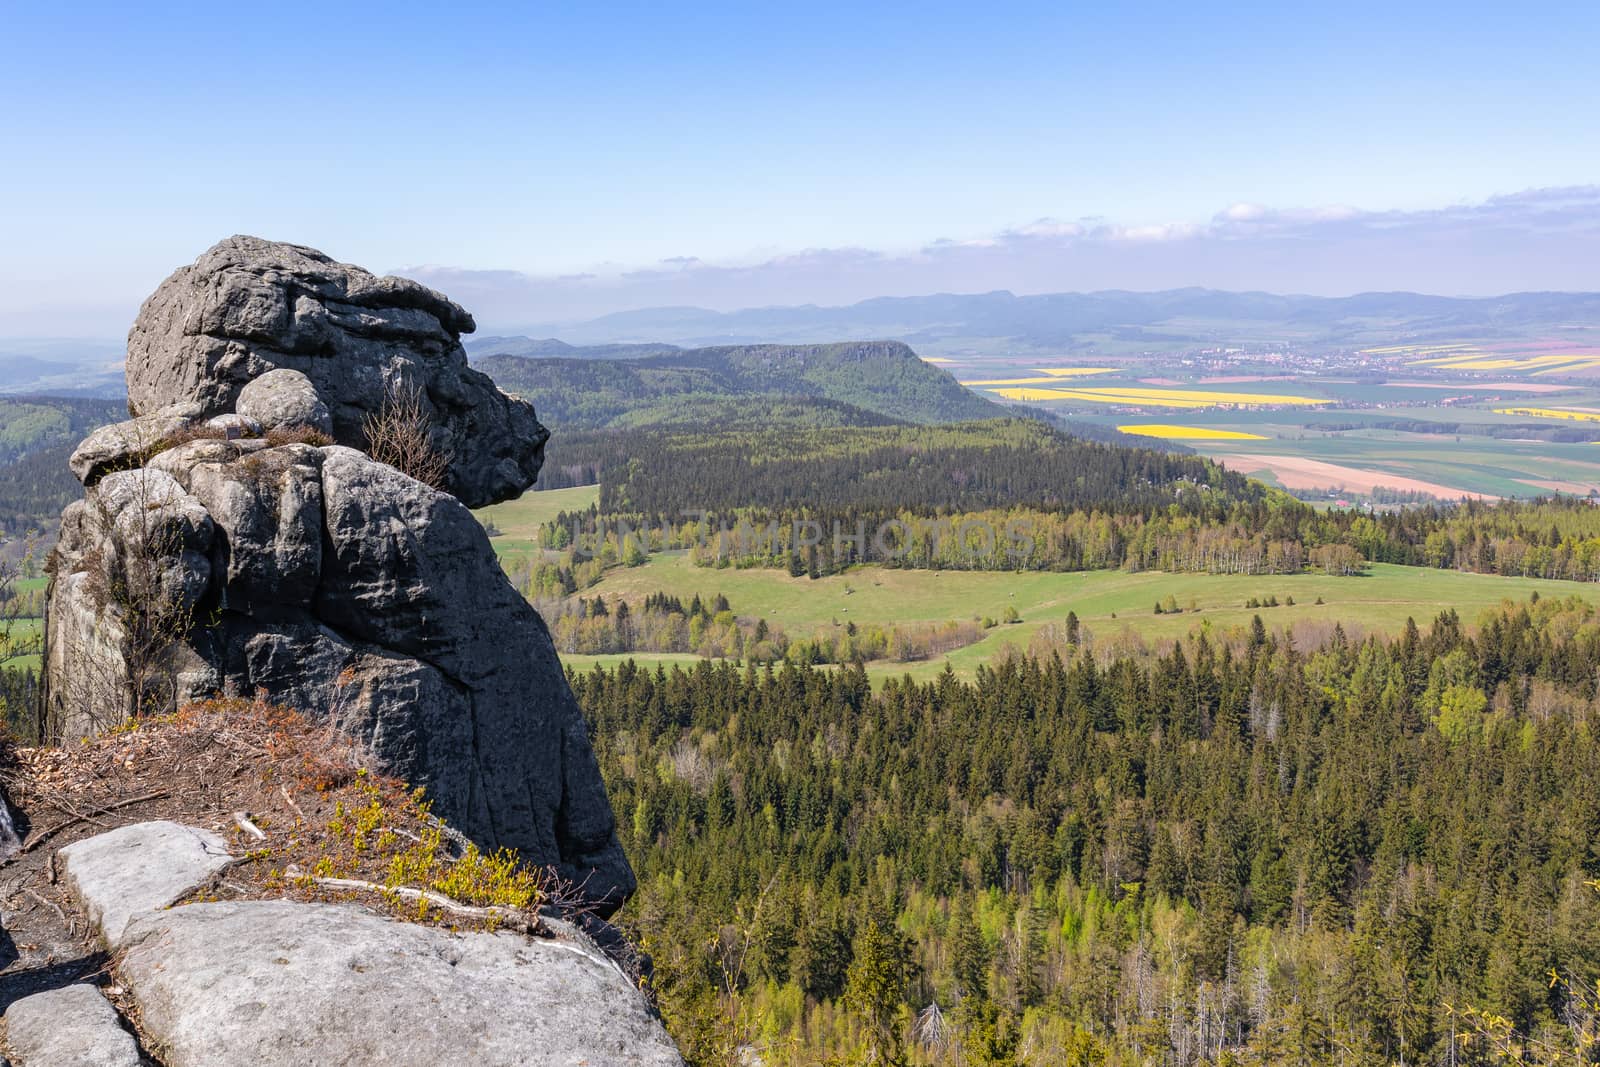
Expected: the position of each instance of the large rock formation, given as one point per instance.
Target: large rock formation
(214, 553)
(250, 306)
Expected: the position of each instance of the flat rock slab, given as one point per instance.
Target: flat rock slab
(137, 869)
(73, 1026)
(277, 982)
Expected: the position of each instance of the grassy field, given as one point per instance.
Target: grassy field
(1114, 606)
(25, 631)
(519, 520)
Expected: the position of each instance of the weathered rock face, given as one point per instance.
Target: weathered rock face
(250, 306)
(281, 399)
(314, 575)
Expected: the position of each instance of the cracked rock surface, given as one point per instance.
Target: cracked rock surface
(277, 982)
(135, 869)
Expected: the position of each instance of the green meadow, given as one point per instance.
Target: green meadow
(518, 520)
(1115, 606)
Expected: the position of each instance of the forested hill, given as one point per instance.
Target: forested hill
(883, 377)
(37, 434)
(1001, 463)
(33, 423)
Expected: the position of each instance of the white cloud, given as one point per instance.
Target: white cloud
(1534, 239)
(1537, 239)
(1243, 212)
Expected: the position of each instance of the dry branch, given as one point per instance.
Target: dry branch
(43, 835)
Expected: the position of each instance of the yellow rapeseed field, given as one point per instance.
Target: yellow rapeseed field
(1545, 364)
(1055, 374)
(1130, 396)
(1189, 433)
(1551, 413)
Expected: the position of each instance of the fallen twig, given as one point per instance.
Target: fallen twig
(290, 801)
(44, 835)
(502, 916)
(407, 834)
(52, 905)
(63, 806)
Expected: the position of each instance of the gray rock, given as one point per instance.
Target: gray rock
(409, 569)
(73, 1026)
(10, 841)
(361, 596)
(250, 306)
(123, 445)
(268, 515)
(87, 683)
(162, 537)
(415, 722)
(317, 576)
(276, 982)
(130, 569)
(181, 460)
(281, 399)
(134, 870)
(233, 427)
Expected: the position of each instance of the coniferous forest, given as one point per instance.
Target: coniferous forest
(1366, 853)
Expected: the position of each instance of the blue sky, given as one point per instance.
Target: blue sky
(546, 140)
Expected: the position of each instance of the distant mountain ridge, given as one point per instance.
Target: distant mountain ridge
(1060, 319)
(550, 347)
(884, 379)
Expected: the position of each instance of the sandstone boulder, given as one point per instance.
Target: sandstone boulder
(276, 982)
(280, 399)
(128, 444)
(248, 307)
(73, 1025)
(327, 581)
(233, 427)
(132, 870)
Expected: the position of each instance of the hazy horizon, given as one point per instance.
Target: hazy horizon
(481, 291)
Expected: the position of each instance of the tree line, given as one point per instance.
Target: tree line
(664, 623)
